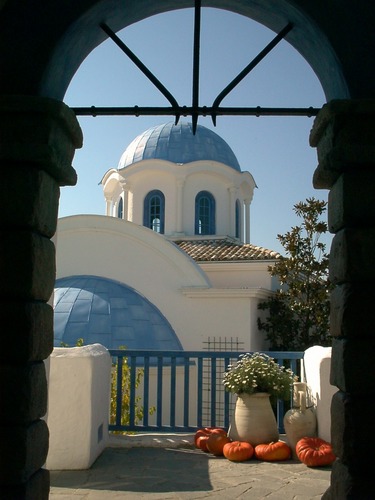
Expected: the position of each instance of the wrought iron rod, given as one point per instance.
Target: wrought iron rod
(196, 53)
(262, 54)
(188, 111)
(142, 67)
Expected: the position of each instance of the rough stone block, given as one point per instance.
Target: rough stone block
(343, 133)
(348, 486)
(29, 200)
(23, 451)
(27, 266)
(23, 388)
(324, 179)
(348, 202)
(352, 311)
(351, 256)
(341, 113)
(36, 488)
(42, 132)
(347, 142)
(351, 432)
(30, 333)
(349, 376)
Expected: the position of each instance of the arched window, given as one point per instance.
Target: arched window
(204, 213)
(238, 219)
(120, 208)
(153, 211)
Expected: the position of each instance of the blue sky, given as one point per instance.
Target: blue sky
(274, 149)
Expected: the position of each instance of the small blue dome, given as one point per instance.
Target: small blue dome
(100, 310)
(177, 144)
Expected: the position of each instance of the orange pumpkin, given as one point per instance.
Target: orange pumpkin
(202, 435)
(315, 452)
(273, 452)
(238, 451)
(216, 442)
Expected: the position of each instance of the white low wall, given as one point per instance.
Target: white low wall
(317, 362)
(79, 392)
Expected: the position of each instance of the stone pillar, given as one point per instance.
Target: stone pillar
(37, 143)
(344, 134)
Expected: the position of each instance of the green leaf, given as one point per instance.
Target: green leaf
(298, 314)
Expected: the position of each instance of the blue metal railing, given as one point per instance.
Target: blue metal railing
(178, 391)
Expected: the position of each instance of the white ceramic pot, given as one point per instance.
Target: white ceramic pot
(254, 420)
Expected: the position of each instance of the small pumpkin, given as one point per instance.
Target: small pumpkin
(238, 451)
(216, 442)
(272, 452)
(315, 452)
(202, 435)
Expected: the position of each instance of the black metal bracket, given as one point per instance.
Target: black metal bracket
(143, 68)
(249, 68)
(195, 110)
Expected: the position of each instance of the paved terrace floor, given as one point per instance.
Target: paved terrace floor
(169, 467)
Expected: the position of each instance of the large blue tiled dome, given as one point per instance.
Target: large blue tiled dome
(177, 144)
(103, 311)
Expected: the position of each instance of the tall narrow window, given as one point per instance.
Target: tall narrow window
(204, 213)
(120, 208)
(238, 219)
(153, 211)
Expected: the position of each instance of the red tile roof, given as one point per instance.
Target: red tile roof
(224, 250)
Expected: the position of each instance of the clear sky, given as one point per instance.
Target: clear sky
(274, 149)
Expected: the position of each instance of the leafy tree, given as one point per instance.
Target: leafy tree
(298, 313)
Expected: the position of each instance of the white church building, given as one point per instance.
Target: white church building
(170, 264)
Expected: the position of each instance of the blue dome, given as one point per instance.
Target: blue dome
(177, 144)
(103, 311)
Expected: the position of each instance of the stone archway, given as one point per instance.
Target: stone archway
(59, 49)
(41, 46)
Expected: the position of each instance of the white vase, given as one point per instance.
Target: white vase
(299, 422)
(254, 420)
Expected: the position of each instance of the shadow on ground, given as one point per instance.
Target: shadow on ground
(141, 470)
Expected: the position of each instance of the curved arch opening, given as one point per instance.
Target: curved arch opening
(84, 35)
(274, 149)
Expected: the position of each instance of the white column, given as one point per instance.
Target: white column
(247, 221)
(179, 204)
(232, 211)
(108, 206)
(125, 202)
(125, 199)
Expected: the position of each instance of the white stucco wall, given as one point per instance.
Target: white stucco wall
(78, 408)
(238, 274)
(317, 362)
(166, 276)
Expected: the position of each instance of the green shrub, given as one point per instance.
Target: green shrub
(125, 388)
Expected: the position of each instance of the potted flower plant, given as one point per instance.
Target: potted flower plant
(254, 378)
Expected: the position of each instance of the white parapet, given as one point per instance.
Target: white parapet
(317, 362)
(79, 393)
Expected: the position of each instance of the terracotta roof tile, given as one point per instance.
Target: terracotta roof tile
(224, 250)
